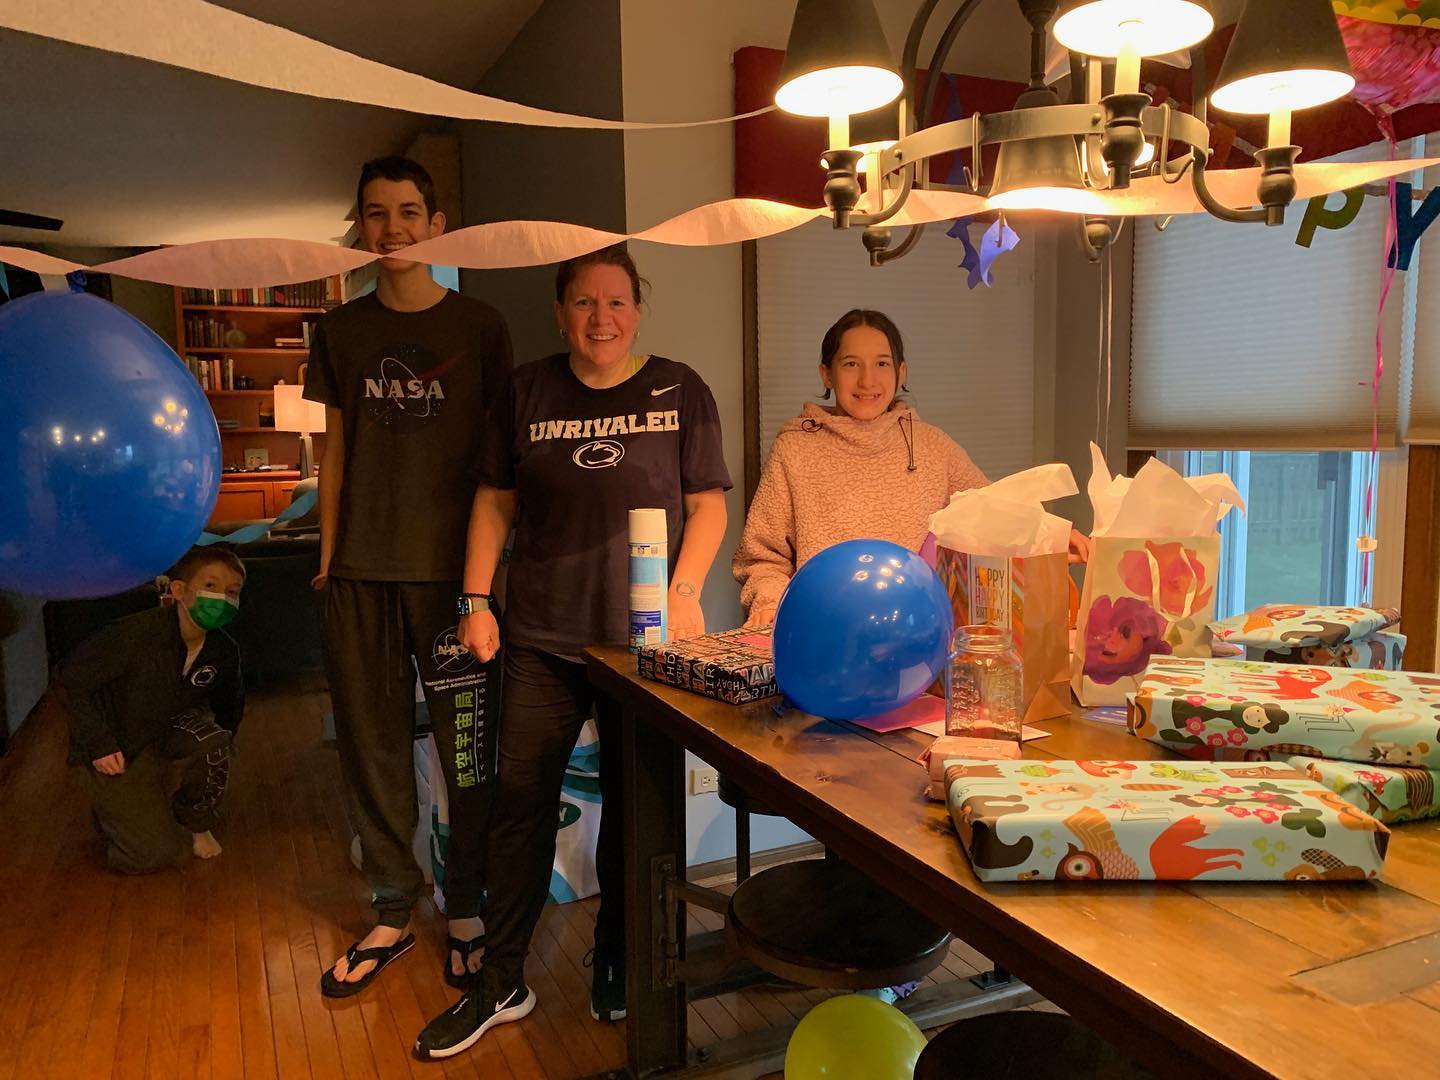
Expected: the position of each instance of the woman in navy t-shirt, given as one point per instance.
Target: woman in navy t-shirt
(593, 433)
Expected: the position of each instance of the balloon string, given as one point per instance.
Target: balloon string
(1372, 464)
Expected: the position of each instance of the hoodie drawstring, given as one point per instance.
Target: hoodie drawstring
(907, 429)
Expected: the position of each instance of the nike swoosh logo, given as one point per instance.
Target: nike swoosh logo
(507, 1001)
(662, 390)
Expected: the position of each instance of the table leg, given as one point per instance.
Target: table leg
(654, 850)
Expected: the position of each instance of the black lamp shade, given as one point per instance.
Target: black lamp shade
(830, 36)
(1285, 54)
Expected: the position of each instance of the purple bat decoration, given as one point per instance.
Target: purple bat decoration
(996, 241)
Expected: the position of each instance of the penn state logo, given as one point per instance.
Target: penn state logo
(203, 676)
(449, 655)
(600, 454)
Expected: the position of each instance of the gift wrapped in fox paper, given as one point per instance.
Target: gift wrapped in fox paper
(734, 665)
(1247, 710)
(1157, 821)
(1386, 793)
(1356, 637)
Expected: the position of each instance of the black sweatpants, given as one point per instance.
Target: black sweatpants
(547, 701)
(372, 629)
(146, 820)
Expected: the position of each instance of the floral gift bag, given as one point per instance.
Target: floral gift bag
(1150, 585)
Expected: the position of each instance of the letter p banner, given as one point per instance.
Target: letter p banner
(1318, 216)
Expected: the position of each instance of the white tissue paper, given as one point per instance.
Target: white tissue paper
(1006, 518)
(1158, 502)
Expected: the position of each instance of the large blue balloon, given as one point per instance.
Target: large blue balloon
(863, 628)
(108, 449)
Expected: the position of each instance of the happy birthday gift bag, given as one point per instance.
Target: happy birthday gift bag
(1002, 558)
(1150, 585)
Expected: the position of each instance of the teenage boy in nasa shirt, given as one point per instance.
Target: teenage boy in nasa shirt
(409, 375)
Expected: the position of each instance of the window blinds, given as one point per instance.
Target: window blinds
(1243, 340)
(970, 354)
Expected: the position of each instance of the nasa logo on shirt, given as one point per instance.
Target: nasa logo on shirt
(203, 676)
(404, 389)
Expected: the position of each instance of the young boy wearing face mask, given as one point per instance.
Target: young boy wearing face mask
(153, 694)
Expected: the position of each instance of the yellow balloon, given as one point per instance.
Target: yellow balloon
(853, 1038)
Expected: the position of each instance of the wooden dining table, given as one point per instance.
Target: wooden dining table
(1214, 980)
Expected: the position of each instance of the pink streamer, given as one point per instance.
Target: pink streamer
(1372, 468)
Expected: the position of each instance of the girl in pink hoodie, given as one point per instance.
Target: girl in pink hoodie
(869, 467)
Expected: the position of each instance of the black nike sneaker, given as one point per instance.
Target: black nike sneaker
(494, 1000)
(607, 982)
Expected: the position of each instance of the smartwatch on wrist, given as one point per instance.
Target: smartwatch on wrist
(472, 603)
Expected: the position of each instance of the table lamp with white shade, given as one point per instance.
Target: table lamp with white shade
(294, 413)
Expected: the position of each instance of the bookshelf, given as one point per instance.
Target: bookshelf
(239, 343)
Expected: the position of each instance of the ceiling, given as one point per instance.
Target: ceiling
(132, 153)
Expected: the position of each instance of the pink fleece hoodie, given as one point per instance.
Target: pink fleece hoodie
(831, 478)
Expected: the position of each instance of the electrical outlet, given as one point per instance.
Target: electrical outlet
(704, 781)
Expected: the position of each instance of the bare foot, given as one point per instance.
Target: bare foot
(467, 930)
(204, 845)
(381, 937)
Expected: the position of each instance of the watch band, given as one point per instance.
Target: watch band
(470, 603)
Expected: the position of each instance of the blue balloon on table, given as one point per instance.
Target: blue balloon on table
(108, 447)
(863, 628)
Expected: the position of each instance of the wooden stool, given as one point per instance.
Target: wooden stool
(1024, 1046)
(733, 796)
(825, 924)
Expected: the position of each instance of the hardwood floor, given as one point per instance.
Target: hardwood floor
(212, 970)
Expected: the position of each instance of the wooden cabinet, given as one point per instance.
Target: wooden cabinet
(243, 498)
(244, 501)
(282, 494)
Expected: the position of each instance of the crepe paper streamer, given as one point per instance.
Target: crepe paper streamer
(994, 242)
(259, 263)
(250, 533)
(1410, 224)
(1319, 216)
(215, 41)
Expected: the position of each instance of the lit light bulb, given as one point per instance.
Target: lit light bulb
(832, 91)
(1144, 27)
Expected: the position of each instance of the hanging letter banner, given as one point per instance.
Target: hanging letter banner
(1410, 224)
(1319, 216)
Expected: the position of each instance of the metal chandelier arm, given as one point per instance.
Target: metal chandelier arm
(915, 174)
(1212, 205)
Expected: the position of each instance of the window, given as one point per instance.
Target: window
(1297, 543)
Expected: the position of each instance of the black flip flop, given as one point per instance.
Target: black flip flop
(332, 987)
(464, 948)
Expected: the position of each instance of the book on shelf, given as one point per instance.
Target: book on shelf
(324, 292)
(216, 374)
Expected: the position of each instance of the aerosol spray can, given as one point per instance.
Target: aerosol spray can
(649, 576)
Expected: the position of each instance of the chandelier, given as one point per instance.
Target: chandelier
(1056, 155)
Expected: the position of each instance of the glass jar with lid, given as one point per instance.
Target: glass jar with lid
(983, 685)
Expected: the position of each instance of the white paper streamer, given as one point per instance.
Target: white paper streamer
(212, 40)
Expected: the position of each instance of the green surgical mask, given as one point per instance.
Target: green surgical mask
(212, 610)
